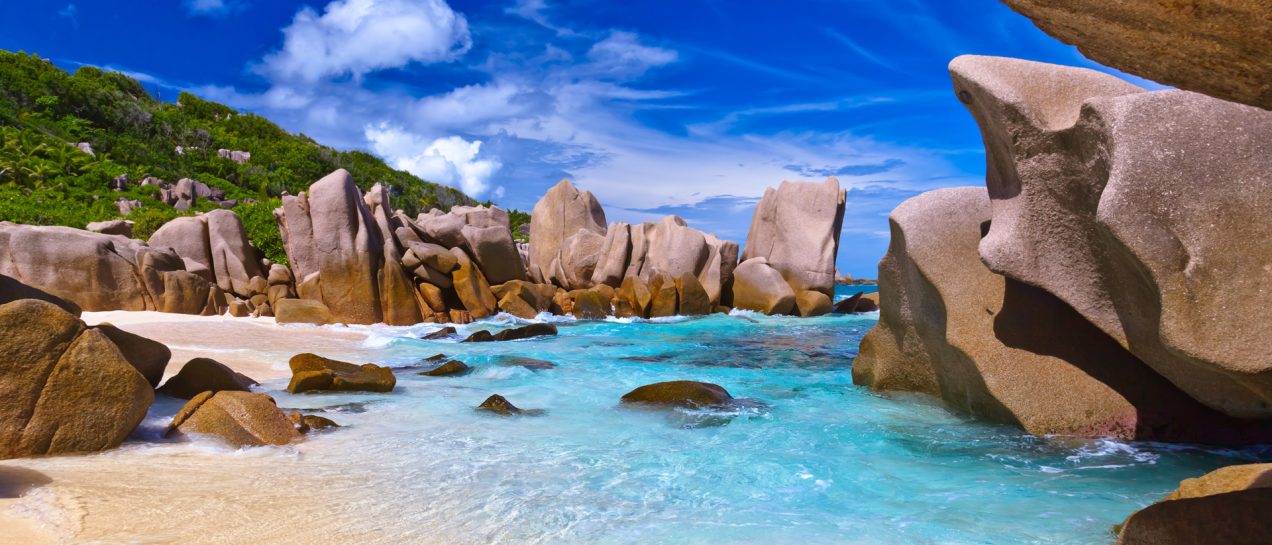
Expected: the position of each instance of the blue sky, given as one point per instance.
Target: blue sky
(689, 107)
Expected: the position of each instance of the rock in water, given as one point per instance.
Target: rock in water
(205, 375)
(149, 357)
(302, 311)
(693, 299)
(306, 423)
(796, 228)
(812, 303)
(1007, 352)
(316, 373)
(858, 302)
(499, 405)
(759, 287)
(441, 333)
(559, 215)
(1229, 505)
(65, 388)
(679, 393)
(1087, 173)
(514, 334)
(241, 419)
(448, 369)
(1215, 47)
(591, 304)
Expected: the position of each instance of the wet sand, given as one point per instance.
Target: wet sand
(196, 492)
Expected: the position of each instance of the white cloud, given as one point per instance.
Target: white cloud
(451, 160)
(622, 55)
(356, 37)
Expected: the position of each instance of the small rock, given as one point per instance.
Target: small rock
(205, 375)
(449, 369)
(499, 405)
(441, 333)
(239, 418)
(306, 423)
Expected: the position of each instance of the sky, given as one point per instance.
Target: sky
(690, 108)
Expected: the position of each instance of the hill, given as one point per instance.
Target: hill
(47, 177)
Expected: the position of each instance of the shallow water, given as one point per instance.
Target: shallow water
(807, 458)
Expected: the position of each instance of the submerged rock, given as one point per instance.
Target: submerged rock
(516, 333)
(65, 388)
(448, 369)
(205, 375)
(311, 372)
(306, 423)
(1229, 505)
(679, 393)
(501, 406)
(442, 333)
(241, 419)
(532, 364)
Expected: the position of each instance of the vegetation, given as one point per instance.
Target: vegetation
(45, 179)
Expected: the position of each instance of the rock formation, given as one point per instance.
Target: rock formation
(1219, 48)
(1101, 201)
(103, 272)
(241, 419)
(337, 254)
(796, 228)
(1008, 352)
(759, 287)
(66, 388)
(1229, 505)
(559, 215)
(215, 246)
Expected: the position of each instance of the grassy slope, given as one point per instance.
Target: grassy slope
(45, 180)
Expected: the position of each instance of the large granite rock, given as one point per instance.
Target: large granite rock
(102, 272)
(1229, 505)
(557, 216)
(472, 288)
(66, 388)
(12, 290)
(1008, 352)
(796, 228)
(217, 242)
(302, 311)
(397, 291)
(577, 261)
(1139, 210)
(337, 254)
(316, 373)
(149, 357)
(241, 419)
(1215, 47)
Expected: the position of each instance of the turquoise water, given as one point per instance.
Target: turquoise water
(808, 458)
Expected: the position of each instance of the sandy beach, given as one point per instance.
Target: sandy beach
(172, 493)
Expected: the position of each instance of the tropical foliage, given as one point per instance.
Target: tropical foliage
(46, 179)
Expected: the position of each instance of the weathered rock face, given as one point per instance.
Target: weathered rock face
(241, 419)
(337, 254)
(12, 290)
(218, 243)
(810, 303)
(559, 215)
(524, 299)
(591, 304)
(1106, 196)
(1228, 505)
(149, 357)
(101, 272)
(302, 311)
(205, 375)
(1007, 352)
(759, 287)
(495, 251)
(679, 393)
(1214, 47)
(796, 228)
(397, 291)
(472, 287)
(578, 259)
(65, 388)
(316, 373)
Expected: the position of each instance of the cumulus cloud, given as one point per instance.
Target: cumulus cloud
(356, 37)
(452, 160)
